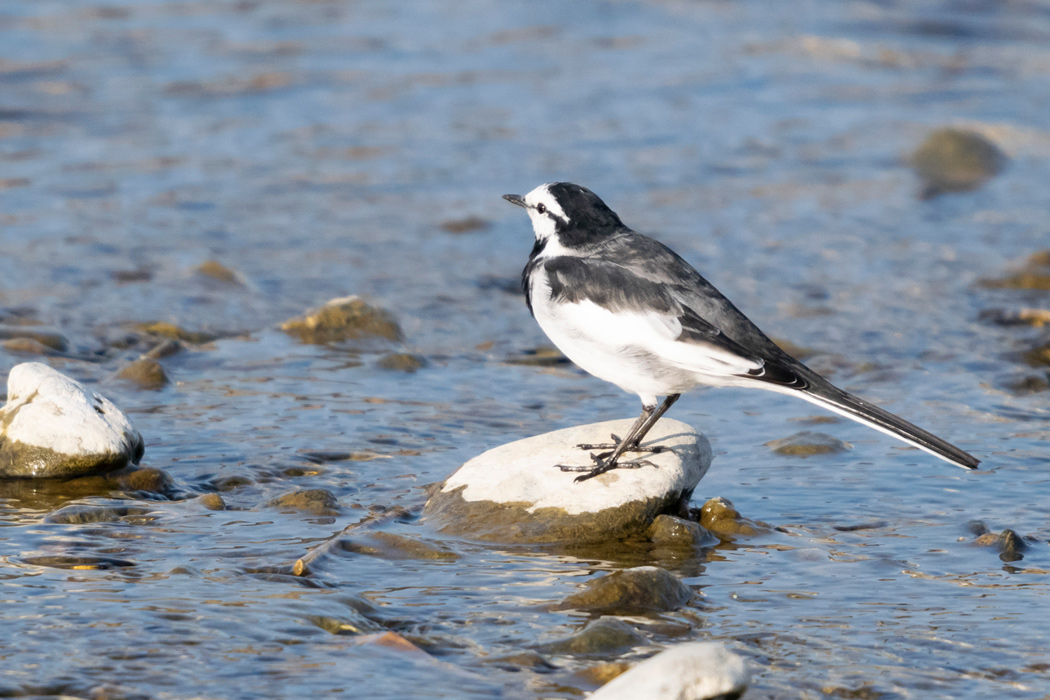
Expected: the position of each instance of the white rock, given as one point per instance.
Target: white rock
(695, 671)
(53, 426)
(524, 471)
(515, 492)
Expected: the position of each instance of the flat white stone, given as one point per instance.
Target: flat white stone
(524, 472)
(695, 671)
(46, 409)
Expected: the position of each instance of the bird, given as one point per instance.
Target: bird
(629, 310)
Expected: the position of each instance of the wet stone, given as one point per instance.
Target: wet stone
(719, 517)
(388, 545)
(606, 635)
(144, 374)
(213, 501)
(345, 624)
(955, 160)
(163, 329)
(1037, 318)
(46, 337)
(671, 531)
(52, 426)
(213, 269)
(542, 356)
(315, 501)
(147, 479)
(531, 660)
(602, 673)
(808, 444)
(401, 362)
(641, 589)
(516, 493)
(1038, 356)
(347, 318)
(695, 671)
(1011, 546)
(26, 346)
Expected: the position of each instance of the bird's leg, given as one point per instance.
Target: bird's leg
(634, 435)
(632, 445)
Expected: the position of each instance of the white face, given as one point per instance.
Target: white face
(542, 208)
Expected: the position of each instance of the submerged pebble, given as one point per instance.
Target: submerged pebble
(315, 501)
(516, 493)
(807, 444)
(144, 374)
(346, 318)
(52, 426)
(696, 671)
(641, 589)
(213, 501)
(213, 269)
(401, 362)
(606, 635)
(388, 545)
(46, 337)
(1034, 274)
(672, 531)
(956, 160)
(164, 329)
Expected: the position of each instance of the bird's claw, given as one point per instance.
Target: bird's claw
(591, 472)
(616, 440)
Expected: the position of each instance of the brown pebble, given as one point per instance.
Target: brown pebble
(144, 374)
(217, 271)
(213, 501)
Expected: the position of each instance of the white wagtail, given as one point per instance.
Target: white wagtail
(630, 311)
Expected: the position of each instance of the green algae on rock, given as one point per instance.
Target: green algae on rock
(52, 426)
(516, 494)
(346, 318)
(719, 517)
(675, 532)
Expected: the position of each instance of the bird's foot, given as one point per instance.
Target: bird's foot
(616, 440)
(591, 472)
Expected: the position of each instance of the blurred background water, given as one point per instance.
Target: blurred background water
(321, 148)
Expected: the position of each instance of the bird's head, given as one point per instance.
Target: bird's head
(571, 213)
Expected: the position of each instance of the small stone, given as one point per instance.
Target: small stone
(641, 589)
(955, 160)
(144, 374)
(671, 531)
(315, 501)
(606, 635)
(213, 501)
(694, 671)
(343, 625)
(1029, 385)
(807, 444)
(1037, 318)
(1011, 546)
(467, 225)
(52, 426)
(720, 517)
(163, 329)
(27, 346)
(215, 270)
(147, 479)
(48, 337)
(517, 661)
(388, 545)
(602, 673)
(516, 493)
(348, 318)
(401, 362)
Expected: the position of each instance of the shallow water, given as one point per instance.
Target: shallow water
(316, 148)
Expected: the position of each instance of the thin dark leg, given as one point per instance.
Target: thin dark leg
(633, 444)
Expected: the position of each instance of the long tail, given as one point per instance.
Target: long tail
(834, 399)
(793, 378)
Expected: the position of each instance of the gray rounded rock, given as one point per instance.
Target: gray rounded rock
(516, 493)
(52, 426)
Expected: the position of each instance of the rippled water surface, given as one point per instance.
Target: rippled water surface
(320, 149)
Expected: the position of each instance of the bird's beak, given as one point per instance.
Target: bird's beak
(516, 199)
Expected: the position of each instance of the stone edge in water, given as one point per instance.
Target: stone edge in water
(511, 523)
